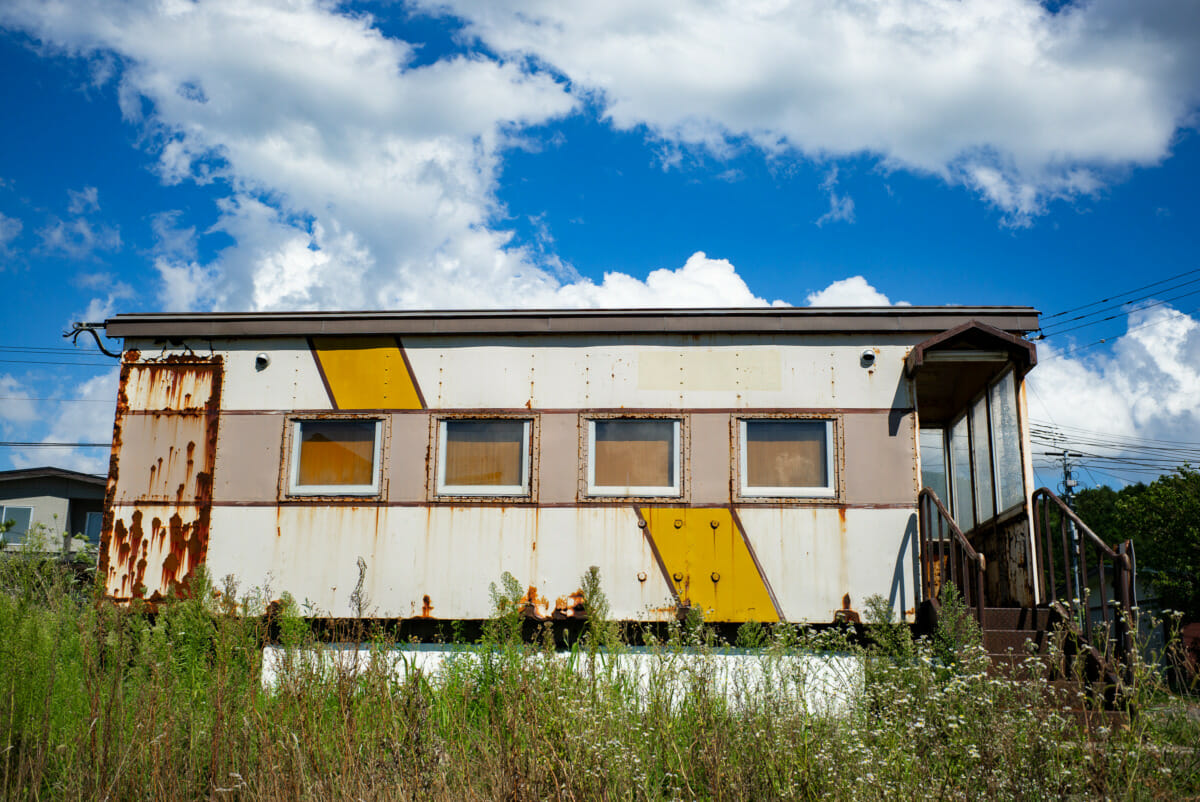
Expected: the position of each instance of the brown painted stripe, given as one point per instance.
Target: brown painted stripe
(737, 521)
(590, 410)
(355, 501)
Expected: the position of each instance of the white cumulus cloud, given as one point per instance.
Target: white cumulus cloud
(86, 418)
(700, 282)
(1015, 101)
(853, 291)
(1147, 387)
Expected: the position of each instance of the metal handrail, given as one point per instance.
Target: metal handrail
(965, 566)
(1075, 572)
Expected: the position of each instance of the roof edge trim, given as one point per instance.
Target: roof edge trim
(1015, 319)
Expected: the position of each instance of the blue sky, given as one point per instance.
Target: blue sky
(299, 154)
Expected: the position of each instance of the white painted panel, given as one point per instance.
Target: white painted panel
(450, 554)
(290, 381)
(814, 558)
(828, 682)
(553, 372)
(710, 369)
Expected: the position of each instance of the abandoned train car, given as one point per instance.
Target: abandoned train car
(757, 464)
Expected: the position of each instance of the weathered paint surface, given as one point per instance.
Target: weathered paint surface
(450, 554)
(366, 373)
(453, 554)
(709, 561)
(563, 372)
(159, 499)
(814, 558)
(436, 559)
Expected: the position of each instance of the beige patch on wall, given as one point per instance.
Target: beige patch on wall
(710, 370)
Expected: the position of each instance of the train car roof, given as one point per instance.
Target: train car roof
(764, 320)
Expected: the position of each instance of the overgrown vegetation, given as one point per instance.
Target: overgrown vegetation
(1163, 520)
(101, 702)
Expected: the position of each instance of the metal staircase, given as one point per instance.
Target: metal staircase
(1075, 573)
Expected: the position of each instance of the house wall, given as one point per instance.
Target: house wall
(59, 505)
(738, 559)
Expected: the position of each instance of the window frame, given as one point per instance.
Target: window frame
(374, 489)
(755, 493)
(524, 490)
(998, 513)
(4, 508)
(676, 491)
(87, 517)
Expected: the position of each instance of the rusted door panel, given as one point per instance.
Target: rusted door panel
(159, 499)
(177, 386)
(169, 452)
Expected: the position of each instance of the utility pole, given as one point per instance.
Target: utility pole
(1069, 483)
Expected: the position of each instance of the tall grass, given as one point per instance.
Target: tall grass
(101, 702)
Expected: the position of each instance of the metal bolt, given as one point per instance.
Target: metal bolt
(716, 577)
(678, 523)
(678, 576)
(714, 524)
(641, 576)
(641, 524)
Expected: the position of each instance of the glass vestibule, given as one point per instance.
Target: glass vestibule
(974, 463)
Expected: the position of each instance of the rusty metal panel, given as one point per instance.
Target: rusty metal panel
(159, 499)
(162, 456)
(175, 386)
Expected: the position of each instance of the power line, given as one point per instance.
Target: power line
(1131, 438)
(1114, 317)
(1119, 294)
(55, 362)
(14, 444)
(1103, 340)
(47, 349)
(1119, 306)
(64, 400)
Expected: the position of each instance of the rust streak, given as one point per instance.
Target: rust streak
(846, 615)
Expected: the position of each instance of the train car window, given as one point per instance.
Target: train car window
(962, 488)
(787, 457)
(1006, 442)
(336, 457)
(933, 463)
(483, 457)
(633, 457)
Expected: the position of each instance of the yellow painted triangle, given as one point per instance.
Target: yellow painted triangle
(704, 548)
(366, 373)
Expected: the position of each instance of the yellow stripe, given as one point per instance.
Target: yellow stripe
(366, 373)
(693, 549)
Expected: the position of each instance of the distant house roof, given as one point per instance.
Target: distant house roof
(25, 474)
(857, 319)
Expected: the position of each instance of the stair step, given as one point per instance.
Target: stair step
(1004, 641)
(1026, 618)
